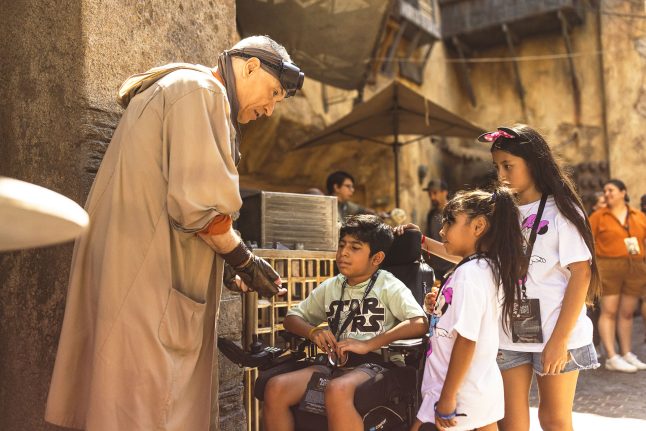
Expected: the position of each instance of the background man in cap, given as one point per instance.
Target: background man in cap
(137, 346)
(438, 193)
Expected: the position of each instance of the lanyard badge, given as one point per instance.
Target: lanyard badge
(526, 325)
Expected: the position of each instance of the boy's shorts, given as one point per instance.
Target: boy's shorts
(583, 358)
(371, 369)
(622, 275)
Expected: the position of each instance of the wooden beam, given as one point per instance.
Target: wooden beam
(464, 69)
(519, 83)
(576, 91)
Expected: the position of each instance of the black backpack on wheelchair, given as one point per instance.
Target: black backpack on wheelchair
(390, 400)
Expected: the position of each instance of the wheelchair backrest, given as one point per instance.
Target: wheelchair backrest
(404, 261)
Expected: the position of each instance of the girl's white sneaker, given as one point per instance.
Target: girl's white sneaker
(633, 360)
(617, 363)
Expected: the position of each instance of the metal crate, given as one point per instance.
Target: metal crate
(294, 220)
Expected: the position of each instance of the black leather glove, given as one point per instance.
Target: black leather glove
(254, 271)
(229, 279)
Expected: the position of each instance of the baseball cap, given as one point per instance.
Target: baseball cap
(436, 184)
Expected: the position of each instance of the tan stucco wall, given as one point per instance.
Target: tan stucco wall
(625, 70)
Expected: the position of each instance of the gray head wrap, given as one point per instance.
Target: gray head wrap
(225, 67)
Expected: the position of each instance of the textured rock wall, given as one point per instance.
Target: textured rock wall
(61, 69)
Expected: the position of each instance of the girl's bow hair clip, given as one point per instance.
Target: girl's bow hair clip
(502, 132)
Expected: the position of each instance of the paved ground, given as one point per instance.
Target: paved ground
(603, 396)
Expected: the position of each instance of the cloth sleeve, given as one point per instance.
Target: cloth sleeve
(202, 177)
(594, 223)
(401, 302)
(572, 247)
(470, 305)
(312, 308)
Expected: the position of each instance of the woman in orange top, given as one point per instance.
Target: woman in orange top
(620, 239)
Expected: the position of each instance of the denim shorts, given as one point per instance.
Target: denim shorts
(583, 358)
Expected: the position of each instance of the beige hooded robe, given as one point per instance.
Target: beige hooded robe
(137, 345)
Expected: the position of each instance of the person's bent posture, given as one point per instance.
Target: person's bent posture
(137, 345)
(366, 308)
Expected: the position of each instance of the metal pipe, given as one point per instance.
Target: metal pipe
(396, 143)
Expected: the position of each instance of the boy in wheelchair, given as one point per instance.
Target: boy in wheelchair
(365, 308)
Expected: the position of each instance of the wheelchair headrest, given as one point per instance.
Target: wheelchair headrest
(406, 248)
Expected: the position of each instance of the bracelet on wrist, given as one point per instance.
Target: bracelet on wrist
(312, 331)
(446, 417)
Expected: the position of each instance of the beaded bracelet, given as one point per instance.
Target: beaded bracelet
(445, 417)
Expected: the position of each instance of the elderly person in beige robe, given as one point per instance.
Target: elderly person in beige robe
(137, 346)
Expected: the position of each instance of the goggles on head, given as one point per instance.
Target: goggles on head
(290, 76)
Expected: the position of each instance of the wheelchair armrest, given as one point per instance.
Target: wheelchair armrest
(405, 347)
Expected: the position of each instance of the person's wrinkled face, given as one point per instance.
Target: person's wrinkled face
(258, 92)
(344, 191)
(613, 195)
(512, 171)
(353, 257)
(458, 236)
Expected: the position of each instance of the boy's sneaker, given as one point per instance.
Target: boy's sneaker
(633, 360)
(617, 363)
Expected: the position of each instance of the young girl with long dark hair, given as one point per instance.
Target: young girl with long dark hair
(462, 387)
(552, 335)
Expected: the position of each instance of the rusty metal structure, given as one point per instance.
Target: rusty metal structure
(345, 43)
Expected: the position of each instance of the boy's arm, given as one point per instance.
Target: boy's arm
(461, 357)
(430, 245)
(410, 328)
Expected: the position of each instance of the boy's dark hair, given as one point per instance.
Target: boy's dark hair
(336, 179)
(502, 243)
(369, 229)
(550, 178)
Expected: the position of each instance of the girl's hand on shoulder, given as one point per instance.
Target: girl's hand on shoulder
(399, 230)
(351, 345)
(430, 299)
(445, 407)
(555, 355)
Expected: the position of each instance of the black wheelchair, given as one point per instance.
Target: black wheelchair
(390, 400)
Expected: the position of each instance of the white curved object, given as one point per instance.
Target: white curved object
(33, 216)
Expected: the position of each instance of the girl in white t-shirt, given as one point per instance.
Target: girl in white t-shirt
(462, 387)
(562, 275)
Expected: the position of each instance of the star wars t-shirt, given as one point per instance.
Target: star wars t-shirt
(558, 244)
(386, 305)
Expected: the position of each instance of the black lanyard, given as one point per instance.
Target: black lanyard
(532, 240)
(627, 225)
(354, 307)
(455, 268)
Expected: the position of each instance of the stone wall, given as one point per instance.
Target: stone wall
(60, 72)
